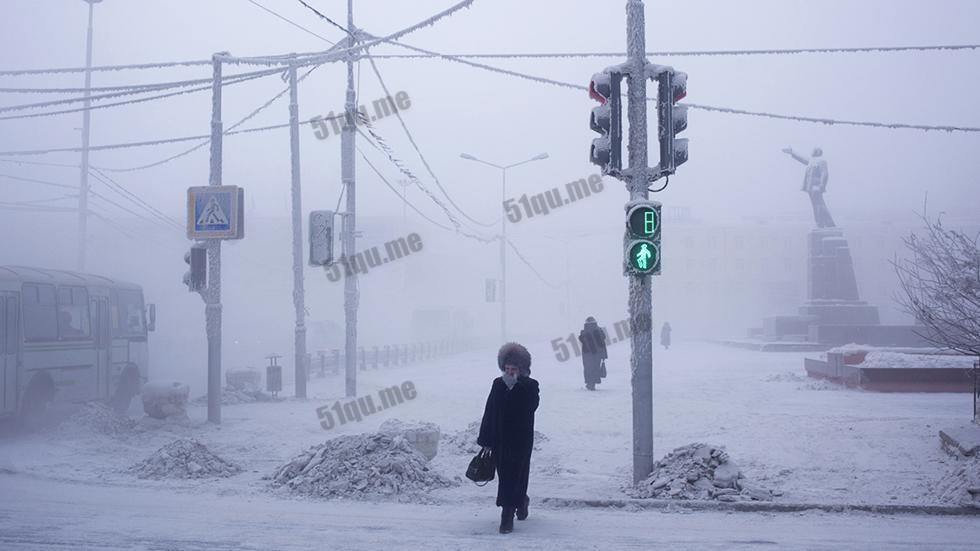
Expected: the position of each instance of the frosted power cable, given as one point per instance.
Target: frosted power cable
(415, 145)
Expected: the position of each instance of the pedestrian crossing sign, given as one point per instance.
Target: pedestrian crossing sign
(215, 212)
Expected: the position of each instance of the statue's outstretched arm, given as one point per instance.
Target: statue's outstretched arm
(803, 160)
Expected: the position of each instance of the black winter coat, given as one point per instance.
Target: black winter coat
(508, 429)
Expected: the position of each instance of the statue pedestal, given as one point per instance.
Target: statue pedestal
(832, 294)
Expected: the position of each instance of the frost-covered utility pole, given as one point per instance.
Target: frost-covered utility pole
(298, 291)
(347, 175)
(212, 295)
(640, 299)
(86, 121)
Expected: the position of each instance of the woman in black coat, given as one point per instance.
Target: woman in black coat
(508, 430)
(593, 340)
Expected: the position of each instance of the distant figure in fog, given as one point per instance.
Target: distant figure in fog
(507, 430)
(593, 341)
(665, 335)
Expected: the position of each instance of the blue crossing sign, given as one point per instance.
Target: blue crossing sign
(215, 212)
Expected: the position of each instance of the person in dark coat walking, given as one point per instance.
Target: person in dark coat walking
(593, 341)
(665, 335)
(507, 430)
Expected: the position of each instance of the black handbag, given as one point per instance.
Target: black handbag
(602, 369)
(481, 468)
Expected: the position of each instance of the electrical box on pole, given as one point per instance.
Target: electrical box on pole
(321, 237)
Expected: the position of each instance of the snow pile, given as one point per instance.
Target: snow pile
(96, 417)
(231, 396)
(162, 400)
(698, 471)
(361, 466)
(184, 459)
(896, 360)
(423, 436)
(961, 486)
(464, 441)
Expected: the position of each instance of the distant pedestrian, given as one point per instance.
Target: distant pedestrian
(507, 430)
(665, 335)
(593, 340)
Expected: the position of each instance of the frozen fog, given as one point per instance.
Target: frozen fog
(797, 402)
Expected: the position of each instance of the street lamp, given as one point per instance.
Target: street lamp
(503, 234)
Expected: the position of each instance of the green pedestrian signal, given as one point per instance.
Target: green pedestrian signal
(642, 250)
(644, 257)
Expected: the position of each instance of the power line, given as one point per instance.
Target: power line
(108, 105)
(104, 68)
(149, 87)
(290, 21)
(526, 262)
(39, 182)
(678, 53)
(689, 53)
(415, 145)
(134, 199)
(324, 17)
(207, 140)
(729, 110)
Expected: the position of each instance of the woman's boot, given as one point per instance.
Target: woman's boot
(522, 509)
(507, 520)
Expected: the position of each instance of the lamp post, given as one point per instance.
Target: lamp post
(503, 234)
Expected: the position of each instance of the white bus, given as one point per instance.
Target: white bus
(68, 337)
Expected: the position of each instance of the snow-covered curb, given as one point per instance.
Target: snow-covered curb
(757, 506)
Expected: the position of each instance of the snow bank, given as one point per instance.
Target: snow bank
(878, 358)
(162, 400)
(231, 396)
(184, 459)
(961, 486)
(96, 417)
(698, 471)
(464, 441)
(361, 466)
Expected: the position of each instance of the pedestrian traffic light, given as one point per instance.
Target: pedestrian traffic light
(607, 120)
(673, 120)
(196, 278)
(642, 243)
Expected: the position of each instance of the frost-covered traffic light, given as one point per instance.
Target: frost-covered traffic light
(673, 120)
(607, 120)
(642, 243)
(196, 278)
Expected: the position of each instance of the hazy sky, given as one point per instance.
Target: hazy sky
(735, 165)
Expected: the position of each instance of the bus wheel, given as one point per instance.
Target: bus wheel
(128, 387)
(34, 411)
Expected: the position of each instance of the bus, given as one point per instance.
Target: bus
(69, 337)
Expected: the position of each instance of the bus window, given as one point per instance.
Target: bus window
(127, 314)
(40, 313)
(12, 329)
(73, 316)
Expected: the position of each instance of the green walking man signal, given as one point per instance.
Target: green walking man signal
(642, 241)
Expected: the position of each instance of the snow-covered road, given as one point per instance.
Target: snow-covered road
(46, 514)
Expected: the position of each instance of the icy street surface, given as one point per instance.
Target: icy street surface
(44, 517)
(811, 441)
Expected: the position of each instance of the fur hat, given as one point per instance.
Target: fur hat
(514, 354)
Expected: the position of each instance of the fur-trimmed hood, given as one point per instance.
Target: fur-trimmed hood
(514, 354)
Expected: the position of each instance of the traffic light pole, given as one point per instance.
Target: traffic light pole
(347, 175)
(299, 299)
(640, 297)
(212, 295)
